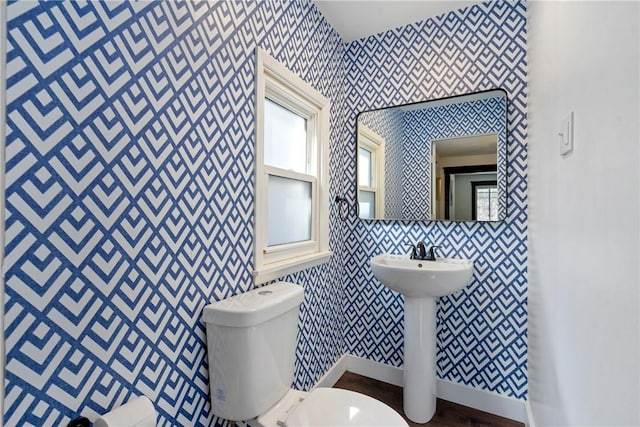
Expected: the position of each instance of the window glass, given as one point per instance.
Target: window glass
(486, 203)
(285, 138)
(289, 211)
(367, 204)
(364, 167)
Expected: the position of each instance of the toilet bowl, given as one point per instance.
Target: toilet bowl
(251, 343)
(328, 407)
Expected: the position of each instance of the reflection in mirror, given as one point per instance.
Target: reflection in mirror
(440, 160)
(371, 173)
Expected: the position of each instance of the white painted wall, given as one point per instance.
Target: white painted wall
(584, 326)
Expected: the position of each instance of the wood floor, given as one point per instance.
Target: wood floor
(447, 414)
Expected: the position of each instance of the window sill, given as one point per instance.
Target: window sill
(288, 266)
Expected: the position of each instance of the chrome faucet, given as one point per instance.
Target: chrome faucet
(420, 252)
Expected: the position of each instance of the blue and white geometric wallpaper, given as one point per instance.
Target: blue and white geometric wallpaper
(130, 161)
(482, 330)
(130, 196)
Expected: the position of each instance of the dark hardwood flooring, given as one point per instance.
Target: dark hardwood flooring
(448, 414)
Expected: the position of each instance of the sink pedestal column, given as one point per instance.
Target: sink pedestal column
(419, 358)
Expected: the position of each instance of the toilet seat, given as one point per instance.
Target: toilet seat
(331, 407)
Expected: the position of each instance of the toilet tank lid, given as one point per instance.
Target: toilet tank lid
(256, 306)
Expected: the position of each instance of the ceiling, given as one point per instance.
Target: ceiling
(474, 145)
(355, 19)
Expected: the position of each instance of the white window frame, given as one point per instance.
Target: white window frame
(375, 144)
(275, 82)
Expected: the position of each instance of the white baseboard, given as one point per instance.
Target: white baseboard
(333, 374)
(376, 370)
(482, 400)
(530, 420)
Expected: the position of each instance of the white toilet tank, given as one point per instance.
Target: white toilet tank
(251, 342)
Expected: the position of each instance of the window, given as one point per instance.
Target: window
(292, 182)
(370, 173)
(485, 200)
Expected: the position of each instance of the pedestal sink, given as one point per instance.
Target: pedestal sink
(421, 282)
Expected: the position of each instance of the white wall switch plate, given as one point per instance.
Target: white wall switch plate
(566, 134)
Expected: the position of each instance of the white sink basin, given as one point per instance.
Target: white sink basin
(415, 278)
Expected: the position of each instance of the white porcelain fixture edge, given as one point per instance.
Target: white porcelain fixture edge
(420, 282)
(419, 278)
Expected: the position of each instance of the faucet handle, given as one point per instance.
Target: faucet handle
(414, 254)
(432, 252)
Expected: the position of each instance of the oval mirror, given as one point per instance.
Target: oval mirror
(444, 159)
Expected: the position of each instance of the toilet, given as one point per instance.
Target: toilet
(251, 344)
